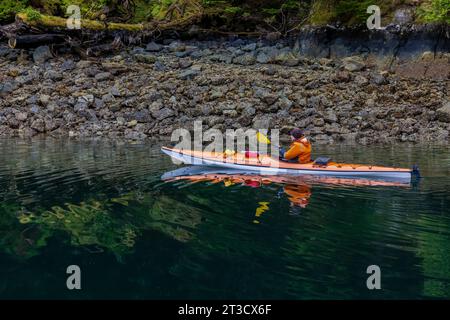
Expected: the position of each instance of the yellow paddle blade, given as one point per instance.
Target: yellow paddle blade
(263, 206)
(262, 138)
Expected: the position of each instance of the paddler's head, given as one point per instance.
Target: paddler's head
(296, 134)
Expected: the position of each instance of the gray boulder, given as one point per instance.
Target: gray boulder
(7, 87)
(221, 58)
(262, 58)
(163, 113)
(184, 63)
(177, 46)
(153, 47)
(102, 76)
(245, 60)
(262, 123)
(21, 116)
(249, 47)
(443, 113)
(378, 79)
(353, 64)
(54, 75)
(145, 58)
(42, 54)
(188, 74)
(68, 65)
(38, 125)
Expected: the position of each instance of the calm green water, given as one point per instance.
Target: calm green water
(102, 206)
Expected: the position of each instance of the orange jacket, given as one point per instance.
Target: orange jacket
(300, 148)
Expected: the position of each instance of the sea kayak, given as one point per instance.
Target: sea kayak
(265, 164)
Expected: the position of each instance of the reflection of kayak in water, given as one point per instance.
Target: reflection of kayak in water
(253, 179)
(268, 165)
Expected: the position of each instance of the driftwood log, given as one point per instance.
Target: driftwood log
(34, 40)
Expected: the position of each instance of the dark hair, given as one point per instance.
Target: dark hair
(297, 133)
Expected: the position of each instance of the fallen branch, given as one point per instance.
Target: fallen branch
(52, 22)
(58, 22)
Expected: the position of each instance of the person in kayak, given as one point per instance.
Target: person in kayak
(299, 150)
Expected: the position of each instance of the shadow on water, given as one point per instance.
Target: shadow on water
(204, 234)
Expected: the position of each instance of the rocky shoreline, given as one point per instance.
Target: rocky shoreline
(149, 91)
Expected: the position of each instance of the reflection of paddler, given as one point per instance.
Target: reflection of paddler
(298, 195)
